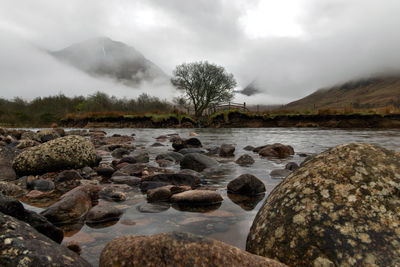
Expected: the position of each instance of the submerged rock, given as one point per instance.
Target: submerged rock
(103, 213)
(22, 245)
(246, 184)
(197, 162)
(70, 152)
(177, 249)
(175, 179)
(341, 208)
(245, 160)
(129, 180)
(227, 150)
(279, 173)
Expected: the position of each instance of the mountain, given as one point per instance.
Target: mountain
(250, 89)
(363, 93)
(105, 57)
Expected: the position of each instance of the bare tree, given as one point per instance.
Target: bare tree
(204, 84)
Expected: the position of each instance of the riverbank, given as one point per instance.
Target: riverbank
(237, 119)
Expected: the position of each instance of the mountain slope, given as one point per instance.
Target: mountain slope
(105, 57)
(365, 93)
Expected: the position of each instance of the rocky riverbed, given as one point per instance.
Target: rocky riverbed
(84, 188)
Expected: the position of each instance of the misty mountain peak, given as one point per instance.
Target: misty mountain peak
(102, 56)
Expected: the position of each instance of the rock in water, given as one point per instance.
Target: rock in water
(22, 245)
(341, 208)
(70, 152)
(177, 249)
(197, 162)
(246, 184)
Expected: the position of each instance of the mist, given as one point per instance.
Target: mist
(289, 50)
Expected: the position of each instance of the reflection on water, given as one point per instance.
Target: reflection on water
(230, 221)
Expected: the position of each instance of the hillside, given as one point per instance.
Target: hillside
(364, 93)
(105, 57)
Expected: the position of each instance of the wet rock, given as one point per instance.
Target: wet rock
(112, 193)
(276, 150)
(73, 246)
(193, 134)
(193, 142)
(129, 180)
(67, 176)
(245, 160)
(148, 185)
(48, 135)
(119, 152)
(159, 194)
(72, 206)
(246, 184)
(246, 202)
(164, 163)
(279, 173)
(197, 162)
(249, 148)
(142, 158)
(127, 159)
(192, 172)
(212, 150)
(105, 171)
(12, 207)
(22, 245)
(27, 143)
(197, 197)
(173, 156)
(341, 208)
(227, 150)
(175, 179)
(103, 213)
(41, 185)
(157, 144)
(29, 135)
(138, 169)
(291, 166)
(155, 207)
(177, 143)
(185, 151)
(9, 189)
(7, 154)
(63, 153)
(177, 249)
(87, 171)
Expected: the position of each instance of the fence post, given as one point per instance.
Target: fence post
(244, 106)
(229, 105)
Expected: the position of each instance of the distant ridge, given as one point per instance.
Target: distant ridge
(367, 93)
(105, 57)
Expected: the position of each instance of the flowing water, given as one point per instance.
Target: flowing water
(231, 221)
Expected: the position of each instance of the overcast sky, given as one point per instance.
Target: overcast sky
(291, 48)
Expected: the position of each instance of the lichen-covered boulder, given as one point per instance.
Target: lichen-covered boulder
(341, 208)
(70, 152)
(22, 245)
(177, 249)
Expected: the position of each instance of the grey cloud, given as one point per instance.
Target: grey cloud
(343, 39)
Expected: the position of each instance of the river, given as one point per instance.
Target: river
(232, 220)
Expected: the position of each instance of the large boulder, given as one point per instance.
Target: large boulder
(177, 249)
(22, 245)
(197, 162)
(246, 184)
(12, 207)
(341, 208)
(70, 152)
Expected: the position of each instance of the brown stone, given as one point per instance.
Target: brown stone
(177, 249)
